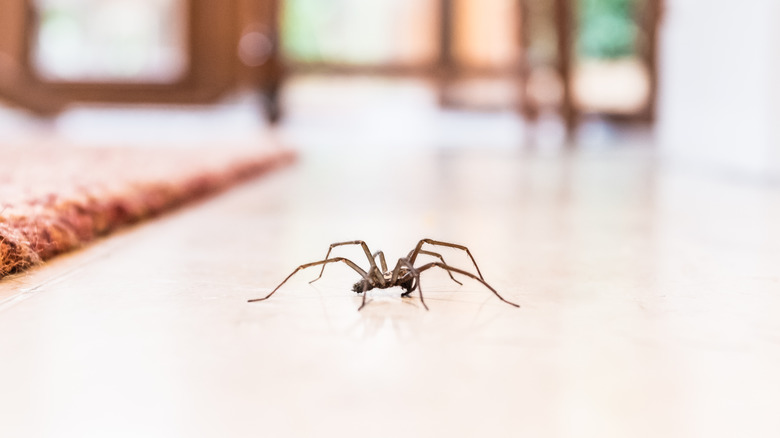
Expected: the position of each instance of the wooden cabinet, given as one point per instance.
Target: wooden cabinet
(214, 31)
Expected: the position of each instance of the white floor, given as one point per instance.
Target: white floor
(648, 300)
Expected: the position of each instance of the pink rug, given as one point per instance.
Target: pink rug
(55, 199)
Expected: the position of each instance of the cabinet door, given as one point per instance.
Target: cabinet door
(54, 52)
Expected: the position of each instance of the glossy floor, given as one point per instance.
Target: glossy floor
(649, 302)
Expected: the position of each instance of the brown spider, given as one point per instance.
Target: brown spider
(404, 274)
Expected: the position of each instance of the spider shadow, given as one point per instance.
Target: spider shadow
(388, 314)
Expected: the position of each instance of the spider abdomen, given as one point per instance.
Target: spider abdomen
(362, 285)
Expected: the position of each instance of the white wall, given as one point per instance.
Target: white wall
(719, 96)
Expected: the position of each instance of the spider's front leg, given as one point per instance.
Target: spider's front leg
(440, 257)
(381, 260)
(418, 250)
(349, 263)
(409, 285)
(351, 242)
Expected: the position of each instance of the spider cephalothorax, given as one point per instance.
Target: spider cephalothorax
(405, 274)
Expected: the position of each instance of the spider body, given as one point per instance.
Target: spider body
(405, 280)
(405, 274)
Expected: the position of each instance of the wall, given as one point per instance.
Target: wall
(719, 79)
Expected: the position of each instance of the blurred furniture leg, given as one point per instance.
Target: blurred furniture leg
(651, 20)
(259, 51)
(526, 107)
(273, 71)
(446, 61)
(564, 19)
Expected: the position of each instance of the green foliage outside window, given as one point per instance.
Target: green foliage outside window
(302, 19)
(607, 29)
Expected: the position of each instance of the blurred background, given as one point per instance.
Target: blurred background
(515, 73)
(506, 67)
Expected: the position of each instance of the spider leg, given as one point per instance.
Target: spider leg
(413, 255)
(415, 281)
(415, 284)
(419, 288)
(397, 270)
(381, 260)
(351, 242)
(466, 273)
(350, 263)
(363, 303)
(435, 254)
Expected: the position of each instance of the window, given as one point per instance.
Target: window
(110, 40)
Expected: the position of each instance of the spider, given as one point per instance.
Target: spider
(405, 274)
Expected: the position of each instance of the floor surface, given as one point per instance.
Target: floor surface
(648, 307)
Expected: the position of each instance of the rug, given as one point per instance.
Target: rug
(56, 199)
